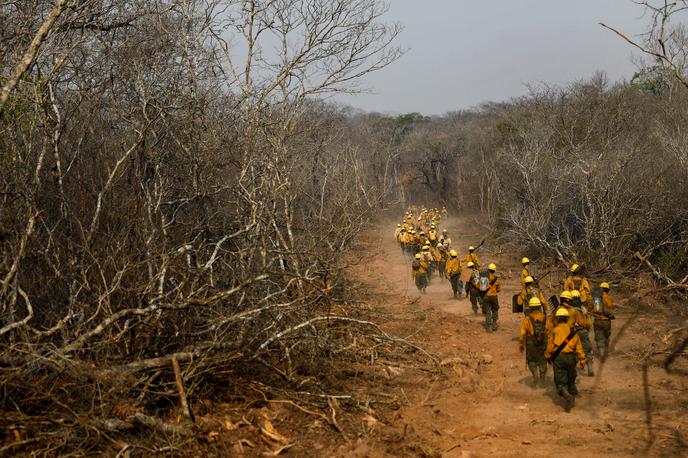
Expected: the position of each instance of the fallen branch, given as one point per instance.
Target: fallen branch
(182, 392)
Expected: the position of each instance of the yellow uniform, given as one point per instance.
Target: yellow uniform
(471, 257)
(494, 286)
(453, 267)
(491, 302)
(422, 269)
(524, 274)
(557, 337)
(574, 282)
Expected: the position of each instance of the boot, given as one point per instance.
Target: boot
(536, 379)
(570, 400)
(590, 371)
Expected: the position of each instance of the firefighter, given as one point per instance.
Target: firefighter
(576, 281)
(603, 314)
(529, 290)
(452, 272)
(491, 299)
(471, 257)
(533, 339)
(446, 240)
(419, 273)
(401, 239)
(441, 256)
(473, 288)
(433, 235)
(423, 238)
(426, 253)
(563, 346)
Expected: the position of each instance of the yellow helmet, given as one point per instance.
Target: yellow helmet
(574, 268)
(534, 302)
(471, 248)
(575, 293)
(426, 247)
(492, 267)
(565, 295)
(604, 285)
(525, 261)
(529, 279)
(432, 226)
(418, 256)
(453, 253)
(470, 264)
(398, 225)
(561, 311)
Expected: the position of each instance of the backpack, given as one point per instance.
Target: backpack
(416, 264)
(598, 303)
(484, 283)
(475, 279)
(538, 336)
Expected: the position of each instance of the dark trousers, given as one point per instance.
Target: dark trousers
(603, 332)
(456, 283)
(565, 372)
(491, 309)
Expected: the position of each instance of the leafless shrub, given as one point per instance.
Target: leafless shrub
(174, 199)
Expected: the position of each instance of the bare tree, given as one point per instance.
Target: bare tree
(666, 41)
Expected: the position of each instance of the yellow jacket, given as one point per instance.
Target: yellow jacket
(524, 274)
(557, 337)
(577, 317)
(421, 270)
(453, 267)
(527, 326)
(495, 286)
(471, 257)
(527, 292)
(581, 284)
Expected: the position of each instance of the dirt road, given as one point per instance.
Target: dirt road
(483, 404)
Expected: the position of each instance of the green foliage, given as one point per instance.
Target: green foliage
(412, 118)
(654, 80)
(673, 263)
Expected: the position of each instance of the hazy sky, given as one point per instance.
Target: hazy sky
(464, 52)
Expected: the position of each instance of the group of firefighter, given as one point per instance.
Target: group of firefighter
(556, 331)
